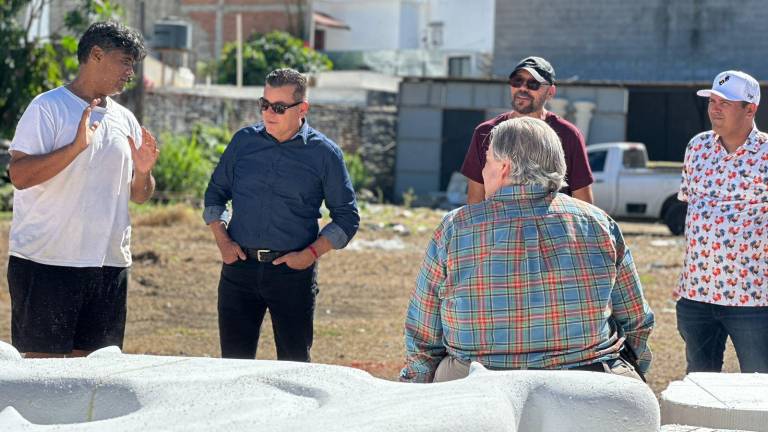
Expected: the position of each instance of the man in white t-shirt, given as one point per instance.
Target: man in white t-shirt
(76, 159)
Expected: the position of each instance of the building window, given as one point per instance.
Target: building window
(436, 34)
(459, 66)
(319, 40)
(597, 160)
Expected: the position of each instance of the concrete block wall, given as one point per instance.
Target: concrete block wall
(649, 41)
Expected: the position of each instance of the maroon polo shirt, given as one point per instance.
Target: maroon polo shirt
(577, 171)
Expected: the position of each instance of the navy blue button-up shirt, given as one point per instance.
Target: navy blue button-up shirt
(277, 189)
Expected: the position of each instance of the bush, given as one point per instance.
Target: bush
(263, 53)
(6, 197)
(357, 171)
(186, 162)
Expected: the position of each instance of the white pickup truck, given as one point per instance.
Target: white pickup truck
(627, 185)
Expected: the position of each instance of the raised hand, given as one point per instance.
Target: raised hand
(144, 157)
(86, 129)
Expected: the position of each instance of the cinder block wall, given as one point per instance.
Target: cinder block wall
(649, 40)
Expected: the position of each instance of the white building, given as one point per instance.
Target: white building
(408, 37)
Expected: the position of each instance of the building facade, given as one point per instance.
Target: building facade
(645, 41)
(409, 37)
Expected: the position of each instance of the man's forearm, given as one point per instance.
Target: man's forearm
(583, 194)
(322, 245)
(219, 230)
(475, 192)
(142, 187)
(31, 170)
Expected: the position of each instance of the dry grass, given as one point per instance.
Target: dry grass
(174, 215)
(363, 293)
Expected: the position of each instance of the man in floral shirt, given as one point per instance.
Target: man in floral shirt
(722, 290)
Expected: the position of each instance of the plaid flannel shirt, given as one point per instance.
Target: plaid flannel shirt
(525, 279)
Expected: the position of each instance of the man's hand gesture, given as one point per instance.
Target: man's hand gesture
(144, 157)
(86, 129)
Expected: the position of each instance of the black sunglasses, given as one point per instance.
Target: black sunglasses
(531, 84)
(277, 107)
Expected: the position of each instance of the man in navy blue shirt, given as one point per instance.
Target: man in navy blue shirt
(276, 174)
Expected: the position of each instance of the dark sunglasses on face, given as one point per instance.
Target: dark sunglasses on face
(531, 84)
(277, 107)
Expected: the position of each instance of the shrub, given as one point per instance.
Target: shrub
(6, 197)
(186, 162)
(357, 171)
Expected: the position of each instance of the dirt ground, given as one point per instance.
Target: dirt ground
(363, 290)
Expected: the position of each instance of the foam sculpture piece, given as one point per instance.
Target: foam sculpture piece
(111, 391)
(726, 401)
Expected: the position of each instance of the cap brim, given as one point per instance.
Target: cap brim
(535, 74)
(710, 92)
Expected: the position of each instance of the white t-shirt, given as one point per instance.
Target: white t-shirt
(78, 218)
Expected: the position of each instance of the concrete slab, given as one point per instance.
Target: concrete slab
(729, 401)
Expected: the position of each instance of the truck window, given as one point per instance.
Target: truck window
(634, 158)
(597, 160)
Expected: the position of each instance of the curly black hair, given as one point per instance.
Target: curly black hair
(111, 35)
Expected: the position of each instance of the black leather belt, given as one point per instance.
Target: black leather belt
(263, 255)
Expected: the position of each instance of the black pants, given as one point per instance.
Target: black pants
(247, 289)
(56, 309)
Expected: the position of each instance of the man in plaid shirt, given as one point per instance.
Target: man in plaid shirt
(528, 278)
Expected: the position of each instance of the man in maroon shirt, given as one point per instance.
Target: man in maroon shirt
(532, 84)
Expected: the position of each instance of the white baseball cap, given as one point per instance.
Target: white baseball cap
(734, 86)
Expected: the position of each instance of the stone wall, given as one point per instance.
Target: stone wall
(369, 130)
(650, 41)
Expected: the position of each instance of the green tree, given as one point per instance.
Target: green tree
(31, 66)
(79, 19)
(263, 53)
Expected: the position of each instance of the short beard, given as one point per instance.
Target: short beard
(534, 106)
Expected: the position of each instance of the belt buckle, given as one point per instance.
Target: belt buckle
(259, 252)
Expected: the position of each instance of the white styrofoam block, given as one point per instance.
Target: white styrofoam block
(106, 352)
(718, 400)
(8, 352)
(682, 428)
(139, 392)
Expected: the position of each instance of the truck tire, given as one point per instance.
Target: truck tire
(674, 217)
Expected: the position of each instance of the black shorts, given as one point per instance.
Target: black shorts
(56, 309)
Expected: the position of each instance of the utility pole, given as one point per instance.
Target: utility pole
(310, 23)
(239, 30)
(140, 73)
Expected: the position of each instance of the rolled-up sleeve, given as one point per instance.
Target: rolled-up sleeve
(340, 201)
(219, 190)
(630, 308)
(424, 347)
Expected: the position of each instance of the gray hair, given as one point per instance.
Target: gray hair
(534, 151)
(286, 76)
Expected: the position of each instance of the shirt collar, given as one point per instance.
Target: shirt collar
(521, 192)
(754, 141)
(303, 132)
